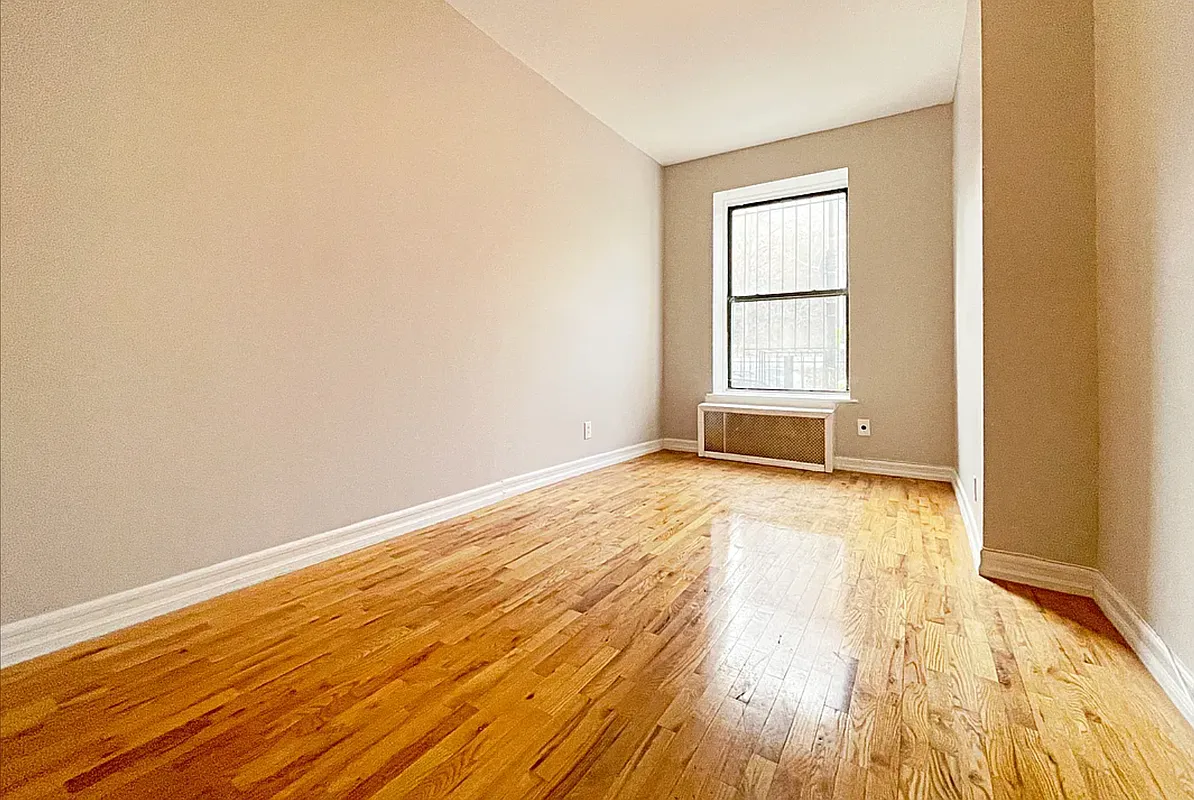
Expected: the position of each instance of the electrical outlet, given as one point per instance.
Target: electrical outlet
(864, 427)
(974, 478)
(588, 430)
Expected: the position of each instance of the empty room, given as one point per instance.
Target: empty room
(541, 399)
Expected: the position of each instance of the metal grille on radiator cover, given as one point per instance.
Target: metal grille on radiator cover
(787, 438)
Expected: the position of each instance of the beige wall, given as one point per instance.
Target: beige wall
(1039, 381)
(1145, 113)
(272, 268)
(968, 259)
(901, 297)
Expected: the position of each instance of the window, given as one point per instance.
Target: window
(787, 293)
(780, 279)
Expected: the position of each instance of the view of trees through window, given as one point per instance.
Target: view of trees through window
(787, 298)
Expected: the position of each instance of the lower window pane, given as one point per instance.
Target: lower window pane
(789, 344)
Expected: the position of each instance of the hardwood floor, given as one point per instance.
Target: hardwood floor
(668, 627)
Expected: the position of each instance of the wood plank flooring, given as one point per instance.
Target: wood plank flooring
(664, 628)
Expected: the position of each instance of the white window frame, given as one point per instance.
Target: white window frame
(722, 202)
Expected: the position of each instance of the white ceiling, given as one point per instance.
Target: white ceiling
(682, 79)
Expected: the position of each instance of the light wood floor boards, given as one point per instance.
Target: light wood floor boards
(668, 627)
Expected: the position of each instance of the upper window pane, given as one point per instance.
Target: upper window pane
(794, 245)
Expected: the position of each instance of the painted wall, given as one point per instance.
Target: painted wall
(1039, 350)
(968, 259)
(272, 268)
(901, 296)
(1145, 115)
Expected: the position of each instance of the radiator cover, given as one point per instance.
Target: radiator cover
(800, 438)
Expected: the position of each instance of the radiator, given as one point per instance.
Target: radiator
(801, 438)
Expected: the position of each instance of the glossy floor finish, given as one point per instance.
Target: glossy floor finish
(668, 627)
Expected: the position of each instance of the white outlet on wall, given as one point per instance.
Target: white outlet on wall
(588, 430)
(864, 427)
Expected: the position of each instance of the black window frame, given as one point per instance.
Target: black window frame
(752, 298)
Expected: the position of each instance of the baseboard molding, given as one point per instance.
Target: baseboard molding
(45, 633)
(895, 469)
(969, 519)
(1039, 572)
(680, 445)
(1174, 677)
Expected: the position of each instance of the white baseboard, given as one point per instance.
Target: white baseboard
(680, 445)
(896, 469)
(1174, 677)
(35, 636)
(969, 519)
(1164, 665)
(1040, 572)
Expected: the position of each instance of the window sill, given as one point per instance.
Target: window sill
(827, 400)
